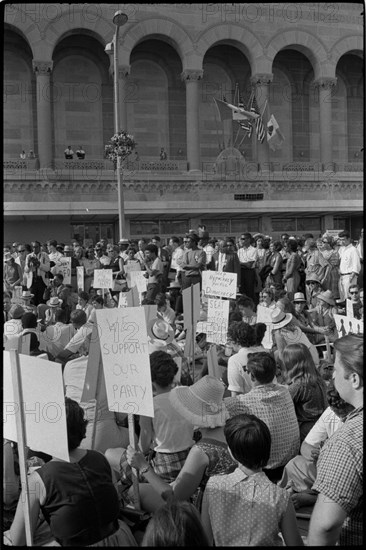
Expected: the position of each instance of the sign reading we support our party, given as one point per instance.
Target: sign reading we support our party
(103, 278)
(63, 266)
(219, 284)
(125, 356)
(217, 321)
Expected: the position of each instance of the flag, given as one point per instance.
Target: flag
(246, 126)
(225, 113)
(275, 138)
(259, 126)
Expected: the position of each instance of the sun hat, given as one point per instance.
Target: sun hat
(7, 257)
(312, 277)
(280, 319)
(27, 294)
(16, 311)
(68, 248)
(299, 297)
(173, 284)
(54, 302)
(202, 403)
(326, 296)
(123, 241)
(158, 329)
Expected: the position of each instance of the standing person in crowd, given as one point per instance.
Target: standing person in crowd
(272, 403)
(71, 494)
(20, 259)
(163, 255)
(306, 386)
(291, 277)
(12, 273)
(90, 263)
(245, 508)
(37, 267)
(154, 271)
(69, 253)
(226, 260)
(132, 262)
(354, 296)
(53, 254)
(359, 249)
(193, 262)
(140, 256)
(176, 260)
(202, 406)
(338, 513)
(350, 264)
(274, 260)
(331, 281)
(248, 257)
(123, 244)
(57, 289)
(315, 263)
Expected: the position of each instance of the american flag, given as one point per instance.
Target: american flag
(259, 126)
(245, 124)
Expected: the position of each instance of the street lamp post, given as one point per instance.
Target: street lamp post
(119, 19)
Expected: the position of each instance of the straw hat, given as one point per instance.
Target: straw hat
(327, 296)
(201, 404)
(158, 329)
(173, 284)
(280, 319)
(16, 311)
(8, 257)
(54, 302)
(312, 277)
(123, 241)
(26, 295)
(299, 297)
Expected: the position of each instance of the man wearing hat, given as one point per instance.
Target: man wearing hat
(123, 244)
(25, 300)
(313, 288)
(323, 319)
(52, 303)
(302, 315)
(175, 297)
(37, 267)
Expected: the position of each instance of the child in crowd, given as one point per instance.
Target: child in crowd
(245, 508)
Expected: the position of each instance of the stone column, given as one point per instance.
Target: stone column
(43, 71)
(260, 85)
(325, 86)
(191, 78)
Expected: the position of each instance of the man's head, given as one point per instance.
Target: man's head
(156, 240)
(78, 318)
(348, 368)
(249, 440)
(51, 245)
(21, 250)
(245, 239)
(151, 252)
(229, 246)
(58, 279)
(174, 242)
(284, 238)
(344, 238)
(68, 251)
(190, 241)
(354, 293)
(141, 244)
(36, 246)
(6, 301)
(261, 367)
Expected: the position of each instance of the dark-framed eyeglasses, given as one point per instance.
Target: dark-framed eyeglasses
(355, 292)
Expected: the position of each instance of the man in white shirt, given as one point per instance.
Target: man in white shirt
(177, 257)
(248, 256)
(349, 266)
(79, 343)
(154, 271)
(53, 254)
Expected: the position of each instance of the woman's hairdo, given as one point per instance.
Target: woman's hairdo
(75, 422)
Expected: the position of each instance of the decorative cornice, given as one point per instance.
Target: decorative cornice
(261, 78)
(42, 68)
(325, 83)
(191, 74)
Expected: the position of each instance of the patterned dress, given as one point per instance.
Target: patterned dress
(332, 280)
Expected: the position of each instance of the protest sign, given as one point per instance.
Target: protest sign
(80, 277)
(217, 321)
(346, 324)
(150, 313)
(191, 305)
(264, 316)
(43, 405)
(349, 308)
(124, 347)
(132, 266)
(138, 279)
(103, 278)
(130, 298)
(333, 232)
(63, 265)
(222, 285)
(214, 368)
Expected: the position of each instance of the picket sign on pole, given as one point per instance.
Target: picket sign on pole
(20, 424)
(193, 328)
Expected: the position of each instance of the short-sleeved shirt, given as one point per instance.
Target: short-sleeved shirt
(245, 510)
(79, 341)
(271, 403)
(350, 260)
(323, 428)
(340, 475)
(157, 265)
(239, 380)
(249, 254)
(172, 433)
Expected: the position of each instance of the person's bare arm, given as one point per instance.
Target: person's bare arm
(325, 522)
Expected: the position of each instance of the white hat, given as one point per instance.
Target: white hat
(299, 297)
(158, 329)
(27, 294)
(280, 319)
(54, 302)
(202, 403)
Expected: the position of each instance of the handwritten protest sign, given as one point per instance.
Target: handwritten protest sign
(138, 279)
(214, 368)
(264, 316)
(103, 278)
(222, 285)
(346, 324)
(125, 356)
(80, 277)
(63, 265)
(217, 321)
(333, 232)
(43, 404)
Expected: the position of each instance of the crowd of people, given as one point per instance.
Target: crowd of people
(224, 461)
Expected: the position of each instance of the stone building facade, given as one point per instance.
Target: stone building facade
(303, 62)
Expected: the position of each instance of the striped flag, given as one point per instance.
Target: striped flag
(246, 126)
(259, 126)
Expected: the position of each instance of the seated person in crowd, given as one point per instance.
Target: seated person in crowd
(164, 309)
(322, 317)
(79, 343)
(246, 307)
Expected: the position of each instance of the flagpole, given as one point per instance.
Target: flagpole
(217, 128)
(236, 137)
